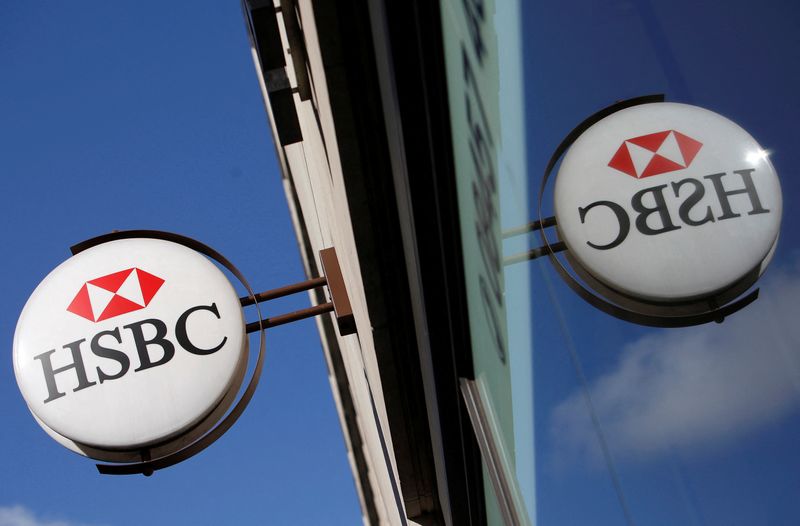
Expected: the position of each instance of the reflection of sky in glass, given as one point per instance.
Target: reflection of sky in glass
(701, 423)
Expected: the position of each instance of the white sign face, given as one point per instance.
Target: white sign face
(129, 344)
(667, 202)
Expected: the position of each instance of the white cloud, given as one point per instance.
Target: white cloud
(21, 516)
(699, 387)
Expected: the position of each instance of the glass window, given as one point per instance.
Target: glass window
(597, 420)
(664, 426)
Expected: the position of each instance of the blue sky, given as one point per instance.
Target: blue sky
(148, 115)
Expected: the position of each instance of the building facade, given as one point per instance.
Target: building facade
(412, 137)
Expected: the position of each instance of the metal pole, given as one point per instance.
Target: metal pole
(284, 291)
(297, 315)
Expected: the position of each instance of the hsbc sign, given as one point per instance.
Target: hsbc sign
(667, 204)
(134, 351)
(132, 344)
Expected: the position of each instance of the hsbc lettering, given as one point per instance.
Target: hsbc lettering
(102, 345)
(650, 211)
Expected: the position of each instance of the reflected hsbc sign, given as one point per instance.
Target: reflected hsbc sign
(130, 344)
(667, 202)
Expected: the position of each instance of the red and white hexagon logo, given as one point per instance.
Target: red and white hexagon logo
(115, 294)
(655, 153)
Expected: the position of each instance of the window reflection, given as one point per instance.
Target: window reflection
(700, 423)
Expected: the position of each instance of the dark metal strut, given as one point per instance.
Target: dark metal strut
(339, 304)
(297, 315)
(284, 291)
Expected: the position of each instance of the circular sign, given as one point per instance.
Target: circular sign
(130, 344)
(667, 204)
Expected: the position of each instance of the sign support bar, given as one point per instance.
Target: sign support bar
(297, 315)
(339, 304)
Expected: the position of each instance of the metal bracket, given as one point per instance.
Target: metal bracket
(533, 253)
(339, 304)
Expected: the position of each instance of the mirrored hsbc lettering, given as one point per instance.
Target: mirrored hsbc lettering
(103, 344)
(651, 214)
